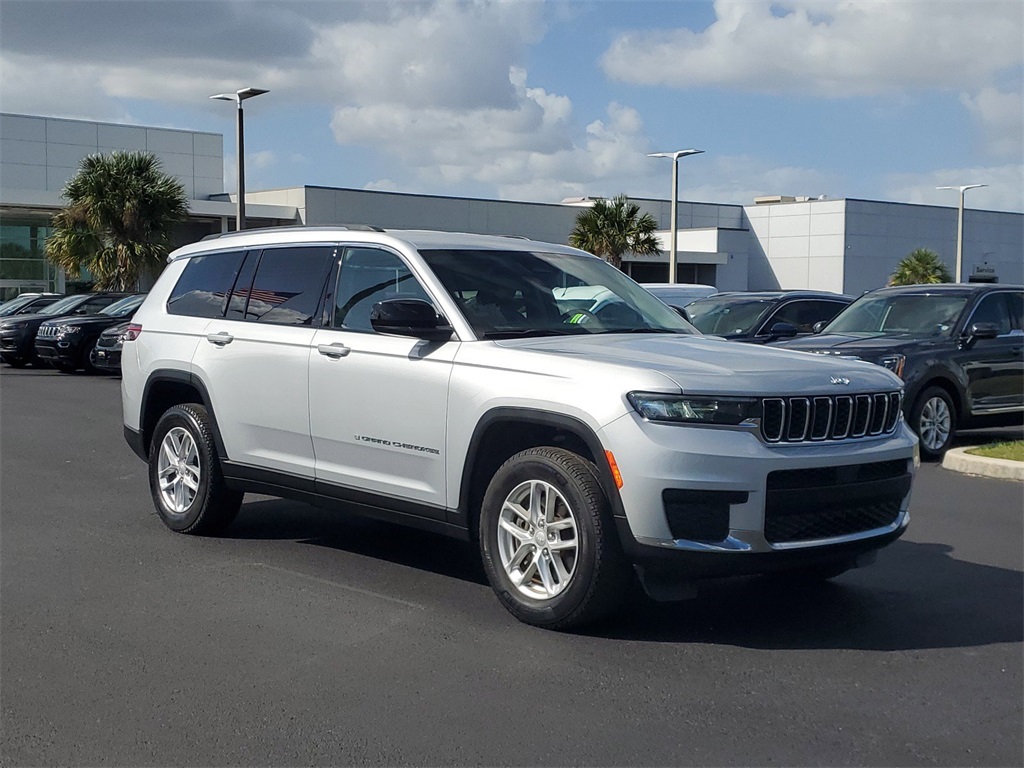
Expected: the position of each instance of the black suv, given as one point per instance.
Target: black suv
(28, 303)
(959, 348)
(18, 333)
(760, 317)
(68, 342)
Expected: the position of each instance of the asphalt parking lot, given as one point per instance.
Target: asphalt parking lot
(305, 638)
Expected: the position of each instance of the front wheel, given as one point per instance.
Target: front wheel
(184, 474)
(933, 418)
(548, 542)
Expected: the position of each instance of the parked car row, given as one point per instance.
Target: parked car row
(958, 348)
(65, 333)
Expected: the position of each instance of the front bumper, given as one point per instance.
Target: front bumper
(56, 350)
(15, 344)
(710, 501)
(107, 359)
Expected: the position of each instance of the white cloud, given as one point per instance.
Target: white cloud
(856, 47)
(1001, 115)
(1005, 190)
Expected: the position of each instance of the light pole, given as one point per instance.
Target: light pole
(238, 97)
(960, 227)
(675, 203)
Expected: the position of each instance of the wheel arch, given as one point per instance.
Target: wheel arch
(166, 388)
(505, 431)
(945, 383)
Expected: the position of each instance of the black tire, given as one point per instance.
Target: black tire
(933, 419)
(599, 577)
(64, 367)
(16, 362)
(213, 506)
(87, 349)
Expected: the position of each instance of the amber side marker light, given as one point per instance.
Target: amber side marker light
(614, 468)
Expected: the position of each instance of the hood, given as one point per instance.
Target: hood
(703, 364)
(859, 346)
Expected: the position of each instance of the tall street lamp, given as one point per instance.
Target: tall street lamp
(960, 228)
(238, 97)
(675, 203)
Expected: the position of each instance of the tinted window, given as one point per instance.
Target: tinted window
(93, 306)
(1017, 310)
(202, 289)
(804, 314)
(288, 285)
(369, 275)
(993, 309)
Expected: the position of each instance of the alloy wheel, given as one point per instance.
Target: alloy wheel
(538, 540)
(178, 470)
(935, 423)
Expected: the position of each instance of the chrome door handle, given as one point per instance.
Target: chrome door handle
(220, 339)
(333, 351)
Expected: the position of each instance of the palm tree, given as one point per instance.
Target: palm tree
(121, 212)
(920, 266)
(611, 228)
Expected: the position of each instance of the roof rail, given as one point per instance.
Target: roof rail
(297, 227)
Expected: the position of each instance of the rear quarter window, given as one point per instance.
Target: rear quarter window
(202, 290)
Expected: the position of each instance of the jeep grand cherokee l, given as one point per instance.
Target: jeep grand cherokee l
(431, 379)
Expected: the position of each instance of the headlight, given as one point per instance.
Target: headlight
(894, 363)
(13, 326)
(69, 330)
(693, 409)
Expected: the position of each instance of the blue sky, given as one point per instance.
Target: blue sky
(538, 101)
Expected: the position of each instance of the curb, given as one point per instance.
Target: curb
(958, 460)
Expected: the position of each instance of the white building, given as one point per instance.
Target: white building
(841, 245)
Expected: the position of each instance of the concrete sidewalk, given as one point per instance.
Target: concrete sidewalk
(958, 460)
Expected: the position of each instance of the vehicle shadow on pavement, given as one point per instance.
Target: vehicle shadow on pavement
(917, 596)
(279, 519)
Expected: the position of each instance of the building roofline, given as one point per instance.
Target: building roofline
(106, 122)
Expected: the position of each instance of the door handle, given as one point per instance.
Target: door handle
(333, 351)
(220, 338)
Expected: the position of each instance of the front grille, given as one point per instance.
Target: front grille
(827, 502)
(835, 417)
(48, 332)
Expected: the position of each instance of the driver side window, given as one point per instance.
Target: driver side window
(369, 275)
(993, 309)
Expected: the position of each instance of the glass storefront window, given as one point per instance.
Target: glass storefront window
(23, 264)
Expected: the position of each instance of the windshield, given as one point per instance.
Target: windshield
(728, 315)
(919, 314)
(506, 294)
(65, 305)
(123, 307)
(12, 306)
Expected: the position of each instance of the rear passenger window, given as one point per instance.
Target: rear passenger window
(202, 289)
(288, 285)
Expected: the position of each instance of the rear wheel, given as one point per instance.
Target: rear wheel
(933, 418)
(548, 542)
(185, 479)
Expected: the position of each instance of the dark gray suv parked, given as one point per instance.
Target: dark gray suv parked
(958, 348)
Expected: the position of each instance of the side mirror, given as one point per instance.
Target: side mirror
(819, 326)
(80, 312)
(408, 317)
(783, 331)
(983, 331)
(681, 312)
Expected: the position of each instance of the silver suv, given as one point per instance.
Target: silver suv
(445, 381)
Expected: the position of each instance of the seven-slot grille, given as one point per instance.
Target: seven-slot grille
(831, 417)
(49, 331)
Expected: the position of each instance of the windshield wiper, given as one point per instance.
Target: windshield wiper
(529, 332)
(643, 330)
